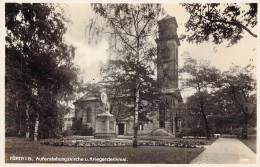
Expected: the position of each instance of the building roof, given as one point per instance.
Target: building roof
(86, 97)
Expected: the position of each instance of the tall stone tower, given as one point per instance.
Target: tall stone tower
(167, 57)
(167, 73)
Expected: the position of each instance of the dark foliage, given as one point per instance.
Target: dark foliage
(220, 22)
(39, 70)
(80, 129)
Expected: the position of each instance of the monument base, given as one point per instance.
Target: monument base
(105, 126)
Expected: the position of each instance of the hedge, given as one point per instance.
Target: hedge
(188, 143)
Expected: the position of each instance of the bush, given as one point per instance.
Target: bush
(76, 124)
(229, 136)
(13, 132)
(188, 143)
(237, 131)
(86, 130)
(184, 132)
(195, 132)
(80, 129)
(68, 132)
(251, 131)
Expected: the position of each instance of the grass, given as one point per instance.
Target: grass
(251, 143)
(142, 155)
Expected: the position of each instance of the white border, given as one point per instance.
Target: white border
(2, 73)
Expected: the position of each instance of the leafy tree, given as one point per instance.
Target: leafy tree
(225, 117)
(39, 69)
(220, 21)
(200, 77)
(239, 87)
(202, 103)
(131, 29)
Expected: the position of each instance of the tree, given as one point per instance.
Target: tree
(202, 104)
(225, 118)
(131, 29)
(239, 86)
(199, 77)
(220, 21)
(39, 69)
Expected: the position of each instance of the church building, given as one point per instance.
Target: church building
(165, 118)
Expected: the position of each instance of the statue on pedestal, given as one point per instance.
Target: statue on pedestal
(105, 103)
(105, 122)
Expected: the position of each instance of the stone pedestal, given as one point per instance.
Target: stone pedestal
(105, 126)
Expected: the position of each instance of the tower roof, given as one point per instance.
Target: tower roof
(167, 17)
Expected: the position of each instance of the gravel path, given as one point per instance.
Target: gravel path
(226, 151)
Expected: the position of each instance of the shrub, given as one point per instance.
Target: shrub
(80, 129)
(11, 132)
(188, 143)
(251, 131)
(195, 132)
(68, 132)
(237, 131)
(76, 125)
(86, 130)
(184, 132)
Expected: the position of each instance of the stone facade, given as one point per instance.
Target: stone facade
(167, 74)
(67, 120)
(166, 116)
(88, 108)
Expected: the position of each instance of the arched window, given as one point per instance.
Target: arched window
(162, 115)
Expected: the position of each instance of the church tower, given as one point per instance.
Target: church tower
(167, 74)
(167, 57)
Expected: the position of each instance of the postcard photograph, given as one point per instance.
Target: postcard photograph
(130, 83)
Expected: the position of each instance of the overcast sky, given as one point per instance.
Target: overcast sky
(89, 57)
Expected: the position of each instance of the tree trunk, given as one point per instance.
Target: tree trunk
(27, 122)
(136, 116)
(137, 95)
(244, 127)
(36, 127)
(206, 125)
(20, 119)
(204, 117)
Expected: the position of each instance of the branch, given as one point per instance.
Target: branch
(135, 25)
(145, 25)
(122, 27)
(124, 41)
(235, 23)
(117, 33)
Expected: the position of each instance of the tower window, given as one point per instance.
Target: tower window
(165, 52)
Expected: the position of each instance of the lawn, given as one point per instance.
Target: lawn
(251, 143)
(19, 147)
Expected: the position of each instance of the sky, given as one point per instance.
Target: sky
(89, 57)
